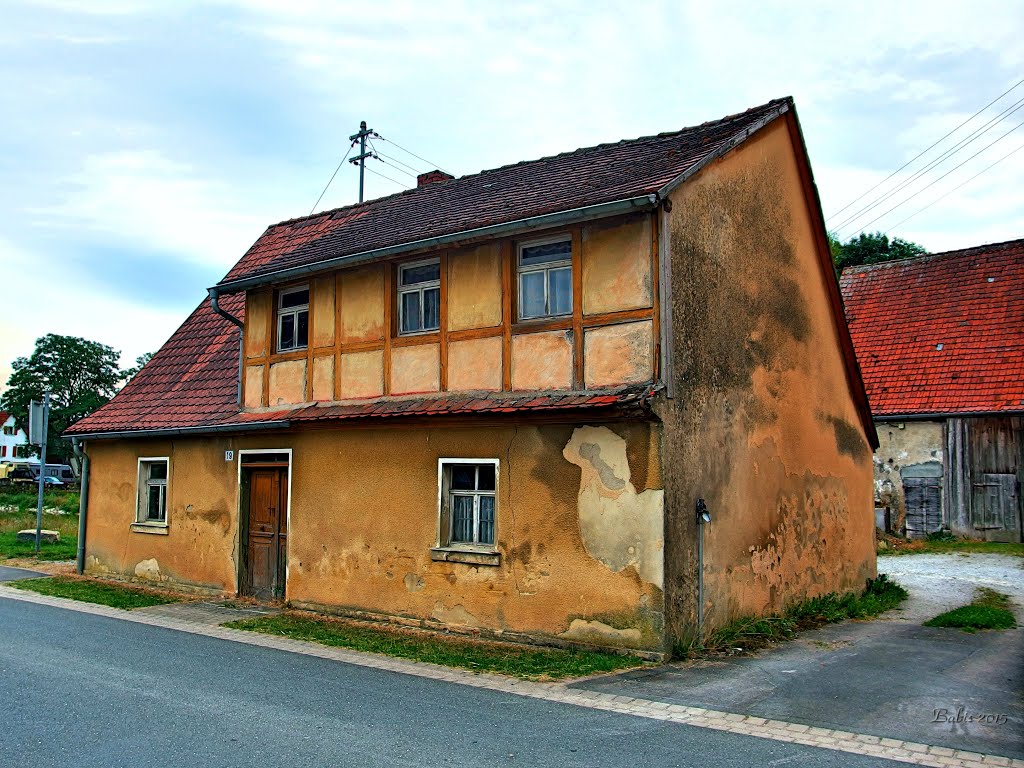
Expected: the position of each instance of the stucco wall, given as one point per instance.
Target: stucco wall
(763, 425)
(913, 446)
(579, 525)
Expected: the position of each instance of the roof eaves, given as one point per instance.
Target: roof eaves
(740, 137)
(177, 431)
(544, 221)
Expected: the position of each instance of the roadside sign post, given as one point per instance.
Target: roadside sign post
(38, 424)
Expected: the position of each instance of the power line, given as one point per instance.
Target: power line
(960, 145)
(906, 200)
(954, 189)
(922, 152)
(332, 178)
(396, 160)
(392, 165)
(404, 186)
(399, 146)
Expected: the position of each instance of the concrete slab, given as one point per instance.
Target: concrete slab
(890, 678)
(8, 573)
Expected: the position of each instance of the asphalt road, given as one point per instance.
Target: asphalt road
(83, 690)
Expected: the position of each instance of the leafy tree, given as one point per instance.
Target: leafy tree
(80, 376)
(871, 248)
(129, 373)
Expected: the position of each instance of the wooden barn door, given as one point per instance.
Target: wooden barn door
(267, 533)
(996, 466)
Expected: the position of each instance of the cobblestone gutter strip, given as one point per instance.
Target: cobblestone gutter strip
(776, 730)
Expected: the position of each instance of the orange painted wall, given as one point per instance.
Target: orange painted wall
(575, 563)
(763, 424)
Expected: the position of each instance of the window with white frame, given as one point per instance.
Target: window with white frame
(152, 502)
(293, 318)
(545, 278)
(468, 503)
(419, 297)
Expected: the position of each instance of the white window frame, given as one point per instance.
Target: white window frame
(418, 288)
(545, 268)
(294, 312)
(445, 519)
(142, 522)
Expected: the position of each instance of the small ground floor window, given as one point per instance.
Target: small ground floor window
(468, 502)
(152, 499)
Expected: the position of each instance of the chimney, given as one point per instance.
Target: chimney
(431, 176)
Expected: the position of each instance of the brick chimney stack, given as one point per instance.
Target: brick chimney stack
(431, 176)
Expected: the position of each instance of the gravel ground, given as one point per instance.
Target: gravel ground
(938, 583)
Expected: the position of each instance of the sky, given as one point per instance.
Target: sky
(144, 146)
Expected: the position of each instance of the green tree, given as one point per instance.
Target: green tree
(871, 248)
(80, 376)
(129, 373)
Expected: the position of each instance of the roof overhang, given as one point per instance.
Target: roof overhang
(943, 415)
(509, 228)
(254, 426)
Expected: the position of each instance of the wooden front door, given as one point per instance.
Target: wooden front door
(266, 548)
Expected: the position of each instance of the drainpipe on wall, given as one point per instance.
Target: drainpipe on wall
(241, 338)
(703, 518)
(83, 504)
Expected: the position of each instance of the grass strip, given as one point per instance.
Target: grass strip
(23, 500)
(988, 610)
(752, 633)
(945, 544)
(92, 591)
(65, 549)
(520, 661)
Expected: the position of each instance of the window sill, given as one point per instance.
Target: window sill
(160, 529)
(470, 556)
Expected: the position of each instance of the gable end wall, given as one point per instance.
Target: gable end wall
(762, 425)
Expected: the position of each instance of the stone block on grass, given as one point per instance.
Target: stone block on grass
(29, 534)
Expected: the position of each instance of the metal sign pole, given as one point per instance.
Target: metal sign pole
(42, 471)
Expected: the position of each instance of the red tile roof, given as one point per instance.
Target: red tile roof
(585, 177)
(941, 334)
(191, 382)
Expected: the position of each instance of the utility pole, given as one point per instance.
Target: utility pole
(360, 159)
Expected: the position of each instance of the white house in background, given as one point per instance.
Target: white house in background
(13, 440)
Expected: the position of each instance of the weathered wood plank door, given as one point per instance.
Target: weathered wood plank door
(266, 548)
(996, 469)
(923, 497)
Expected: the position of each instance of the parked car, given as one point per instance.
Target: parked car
(54, 481)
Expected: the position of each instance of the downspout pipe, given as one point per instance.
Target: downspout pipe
(241, 336)
(83, 504)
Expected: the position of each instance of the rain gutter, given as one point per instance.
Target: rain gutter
(185, 431)
(241, 336)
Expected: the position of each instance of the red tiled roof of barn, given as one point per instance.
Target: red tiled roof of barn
(578, 179)
(942, 333)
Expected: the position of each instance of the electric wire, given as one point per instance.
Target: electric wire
(962, 144)
(954, 189)
(915, 194)
(399, 146)
(400, 170)
(925, 150)
(332, 178)
(414, 170)
(375, 173)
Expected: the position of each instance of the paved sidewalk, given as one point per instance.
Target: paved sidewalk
(882, 749)
(211, 613)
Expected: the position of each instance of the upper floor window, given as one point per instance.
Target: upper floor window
(293, 319)
(419, 297)
(545, 278)
(8, 430)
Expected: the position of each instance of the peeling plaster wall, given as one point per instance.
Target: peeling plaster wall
(905, 446)
(579, 525)
(763, 425)
(198, 549)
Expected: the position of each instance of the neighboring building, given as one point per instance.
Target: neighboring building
(940, 340)
(493, 402)
(13, 440)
